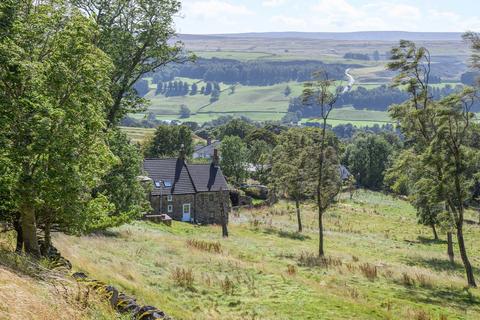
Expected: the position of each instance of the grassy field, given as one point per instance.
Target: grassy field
(28, 291)
(380, 265)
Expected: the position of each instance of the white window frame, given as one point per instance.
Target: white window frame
(169, 198)
(170, 208)
(189, 208)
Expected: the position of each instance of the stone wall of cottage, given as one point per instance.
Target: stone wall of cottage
(205, 206)
(208, 207)
(176, 202)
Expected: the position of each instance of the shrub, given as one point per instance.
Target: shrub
(307, 259)
(214, 247)
(228, 287)
(291, 269)
(369, 271)
(182, 277)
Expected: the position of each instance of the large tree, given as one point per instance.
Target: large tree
(168, 141)
(367, 158)
(322, 94)
(440, 134)
(290, 175)
(54, 84)
(136, 35)
(234, 157)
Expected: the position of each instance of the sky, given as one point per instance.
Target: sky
(239, 16)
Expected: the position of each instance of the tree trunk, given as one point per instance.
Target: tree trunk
(450, 248)
(435, 235)
(299, 218)
(45, 248)
(224, 215)
(18, 228)
(463, 255)
(29, 230)
(321, 252)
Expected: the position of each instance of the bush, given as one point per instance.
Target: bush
(214, 247)
(183, 277)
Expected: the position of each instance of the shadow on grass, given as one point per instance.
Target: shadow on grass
(429, 241)
(455, 298)
(287, 234)
(107, 233)
(440, 264)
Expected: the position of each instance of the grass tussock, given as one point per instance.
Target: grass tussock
(369, 271)
(228, 286)
(182, 277)
(308, 259)
(213, 247)
(291, 270)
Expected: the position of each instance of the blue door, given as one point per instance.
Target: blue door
(186, 212)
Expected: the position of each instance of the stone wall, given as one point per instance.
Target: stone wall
(208, 207)
(204, 206)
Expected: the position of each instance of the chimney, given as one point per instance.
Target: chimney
(209, 141)
(216, 158)
(182, 153)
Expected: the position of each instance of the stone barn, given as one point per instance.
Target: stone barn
(188, 192)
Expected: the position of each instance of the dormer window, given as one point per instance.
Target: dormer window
(157, 184)
(167, 183)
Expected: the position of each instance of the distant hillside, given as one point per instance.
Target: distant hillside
(348, 36)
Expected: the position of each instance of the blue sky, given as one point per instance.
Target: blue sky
(232, 16)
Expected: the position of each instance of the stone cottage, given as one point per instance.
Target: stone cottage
(188, 192)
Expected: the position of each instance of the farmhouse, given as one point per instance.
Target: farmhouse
(188, 192)
(206, 152)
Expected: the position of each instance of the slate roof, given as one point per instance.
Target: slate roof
(185, 178)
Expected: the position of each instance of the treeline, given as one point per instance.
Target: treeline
(181, 88)
(258, 73)
(379, 99)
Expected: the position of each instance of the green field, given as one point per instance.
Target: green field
(380, 265)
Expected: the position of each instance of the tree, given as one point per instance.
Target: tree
(367, 159)
(323, 95)
(215, 96)
(208, 89)
(376, 55)
(136, 35)
(168, 140)
(287, 91)
(259, 157)
(440, 134)
(54, 85)
(121, 185)
(194, 89)
(234, 157)
(234, 127)
(290, 175)
(184, 112)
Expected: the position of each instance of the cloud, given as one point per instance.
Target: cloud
(273, 3)
(289, 23)
(214, 8)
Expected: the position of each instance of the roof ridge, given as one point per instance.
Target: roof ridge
(190, 176)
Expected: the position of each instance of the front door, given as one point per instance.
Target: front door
(186, 212)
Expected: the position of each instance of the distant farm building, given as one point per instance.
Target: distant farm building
(188, 192)
(206, 152)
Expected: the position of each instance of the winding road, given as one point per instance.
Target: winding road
(351, 81)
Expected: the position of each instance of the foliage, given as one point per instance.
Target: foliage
(53, 124)
(168, 141)
(136, 35)
(367, 158)
(234, 156)
(235, 127)
(259, 153)
(184, 112)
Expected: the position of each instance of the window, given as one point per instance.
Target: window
(169, 198)
(170, 208)
(157, 184)
(186, 208)
(167, 183)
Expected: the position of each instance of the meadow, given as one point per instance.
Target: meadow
(380, 264)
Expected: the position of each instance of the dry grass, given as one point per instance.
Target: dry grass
(214, 247)
(369, 271)
(183, 277)
(22, 297)
(308, 259)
